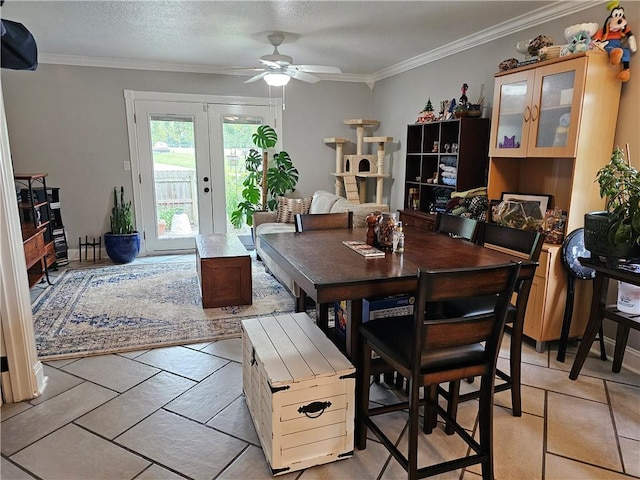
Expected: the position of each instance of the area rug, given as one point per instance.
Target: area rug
(92, 311)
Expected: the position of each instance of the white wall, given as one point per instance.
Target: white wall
(69, 121)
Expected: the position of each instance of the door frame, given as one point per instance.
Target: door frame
(130, 96)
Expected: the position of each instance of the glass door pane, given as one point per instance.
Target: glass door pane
(513, 98)
(236, 134)
(175, 174)
(174, 177)
(555, 109)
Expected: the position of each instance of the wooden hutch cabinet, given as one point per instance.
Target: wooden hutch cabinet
(441, 158)
(553, 128)
(35, 220)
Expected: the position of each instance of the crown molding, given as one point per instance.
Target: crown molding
(531, 19)
(515, 25)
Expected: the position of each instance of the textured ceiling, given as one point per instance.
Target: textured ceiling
(364, 38)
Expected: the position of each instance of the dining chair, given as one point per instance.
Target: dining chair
(456, 226)
(527, 245)
(323, 221)
(429, 351)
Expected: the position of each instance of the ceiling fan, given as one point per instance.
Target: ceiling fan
(278, 69)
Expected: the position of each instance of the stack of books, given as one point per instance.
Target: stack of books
(363, 249)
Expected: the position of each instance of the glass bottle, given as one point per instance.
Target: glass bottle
(398, 238)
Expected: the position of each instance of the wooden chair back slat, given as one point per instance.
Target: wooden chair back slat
(323, 221)
(456, 226)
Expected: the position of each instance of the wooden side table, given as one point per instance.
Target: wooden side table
(224, 270)
(600, 311)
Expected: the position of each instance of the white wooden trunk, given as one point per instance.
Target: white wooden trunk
(300, 391)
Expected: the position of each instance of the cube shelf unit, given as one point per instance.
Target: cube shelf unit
(430, 152)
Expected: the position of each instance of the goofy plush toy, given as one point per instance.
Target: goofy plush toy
(617, 39)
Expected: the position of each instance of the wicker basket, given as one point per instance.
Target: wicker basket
(549, 53)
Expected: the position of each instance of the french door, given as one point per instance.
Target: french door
(175, 173)
(189, 160)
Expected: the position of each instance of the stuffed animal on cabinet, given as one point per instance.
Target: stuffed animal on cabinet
(579, 38)
(617, 39)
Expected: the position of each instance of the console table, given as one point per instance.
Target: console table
(600, 311)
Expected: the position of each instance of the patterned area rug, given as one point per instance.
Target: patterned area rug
(92, 311)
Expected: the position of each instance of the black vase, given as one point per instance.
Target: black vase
(596, 238)
(122, 248)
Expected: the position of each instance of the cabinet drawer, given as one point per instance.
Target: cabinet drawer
(425, 221)
(34, 248)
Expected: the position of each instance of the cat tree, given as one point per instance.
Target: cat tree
(352, 170)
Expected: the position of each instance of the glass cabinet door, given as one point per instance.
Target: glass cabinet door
(511, 115)
(555, 111)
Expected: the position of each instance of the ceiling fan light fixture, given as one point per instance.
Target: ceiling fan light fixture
(277, 79)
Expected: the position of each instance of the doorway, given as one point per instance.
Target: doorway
(188, 158)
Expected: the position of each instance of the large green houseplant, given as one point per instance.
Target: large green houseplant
(122, 243)
(266, 180)
(616, 231)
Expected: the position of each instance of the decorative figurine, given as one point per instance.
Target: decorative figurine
(463, 98)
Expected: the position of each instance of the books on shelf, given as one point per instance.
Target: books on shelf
(363, 249)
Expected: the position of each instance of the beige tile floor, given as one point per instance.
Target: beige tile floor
(179, 412)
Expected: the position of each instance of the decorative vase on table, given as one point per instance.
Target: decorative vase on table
(385, 230)
(122, 243)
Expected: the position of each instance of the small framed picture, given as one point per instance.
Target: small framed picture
(535, 205)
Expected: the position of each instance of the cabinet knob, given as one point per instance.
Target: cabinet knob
(534, 113)
(527, 114)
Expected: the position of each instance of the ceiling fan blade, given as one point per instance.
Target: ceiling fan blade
(256, 77)
(270, 64)
(305, 77)
(318, 69)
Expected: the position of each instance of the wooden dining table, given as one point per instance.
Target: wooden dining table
(328, 271)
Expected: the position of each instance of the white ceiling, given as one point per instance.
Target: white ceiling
(367, 40)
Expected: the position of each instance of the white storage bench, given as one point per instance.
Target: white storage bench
(300, 391)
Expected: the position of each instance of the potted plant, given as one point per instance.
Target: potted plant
(615, 232)
(265, 180)
(122, 242)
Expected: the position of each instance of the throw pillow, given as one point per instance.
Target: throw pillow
(288, 207)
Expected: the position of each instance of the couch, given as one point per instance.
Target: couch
(321, 202)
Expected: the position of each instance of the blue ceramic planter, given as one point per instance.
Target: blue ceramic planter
(122, 248)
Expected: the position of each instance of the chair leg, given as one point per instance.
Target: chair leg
(452, 405)
(485, 425)
(430, 412)
(515, 365)
(414, 415)
(363, 405)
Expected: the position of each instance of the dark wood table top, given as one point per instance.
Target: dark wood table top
(329, 271)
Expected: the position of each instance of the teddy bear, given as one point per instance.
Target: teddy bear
(617, 39)
(579, 38)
